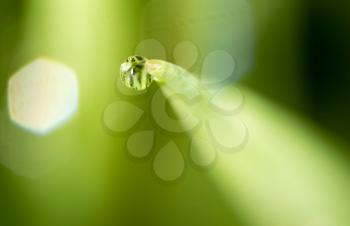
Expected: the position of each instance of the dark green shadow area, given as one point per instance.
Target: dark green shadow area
(10, 33)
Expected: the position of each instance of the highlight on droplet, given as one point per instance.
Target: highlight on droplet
(42, 96)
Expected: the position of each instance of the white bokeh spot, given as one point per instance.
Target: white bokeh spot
(42, 96)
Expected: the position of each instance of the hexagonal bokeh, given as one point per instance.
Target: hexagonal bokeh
(42, 96)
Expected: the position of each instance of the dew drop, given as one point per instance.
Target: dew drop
(127, 91)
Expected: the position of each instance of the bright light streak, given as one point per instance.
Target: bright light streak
(289, 172)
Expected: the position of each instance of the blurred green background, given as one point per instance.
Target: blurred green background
(294, 171)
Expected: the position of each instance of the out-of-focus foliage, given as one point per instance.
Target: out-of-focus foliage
(81, 174)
